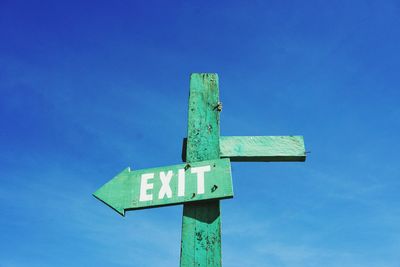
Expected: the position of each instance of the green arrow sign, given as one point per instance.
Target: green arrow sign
(168, 185)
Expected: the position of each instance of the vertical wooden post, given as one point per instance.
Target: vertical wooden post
(201, 223)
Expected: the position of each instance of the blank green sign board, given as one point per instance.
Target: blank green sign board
(168, 185)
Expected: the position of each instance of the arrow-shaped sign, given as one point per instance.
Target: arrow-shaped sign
(168, 185)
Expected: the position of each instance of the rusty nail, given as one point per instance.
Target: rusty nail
(218, 106)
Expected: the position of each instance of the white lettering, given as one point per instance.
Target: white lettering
(144, 186)
(200, 177)
(165, 188)
(181, 183)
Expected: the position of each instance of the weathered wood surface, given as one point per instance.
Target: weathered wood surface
(262, 148)
(201, 223)
(167, 185)
(259, 148)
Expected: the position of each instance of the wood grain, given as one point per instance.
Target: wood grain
(124, 192)
(263, 148)
(259, 148)
(201, 223)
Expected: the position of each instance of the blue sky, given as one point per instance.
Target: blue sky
(89, 88)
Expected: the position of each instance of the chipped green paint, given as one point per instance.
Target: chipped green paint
(168, 185)
(201, 223)
(262, 148)
(259, 148)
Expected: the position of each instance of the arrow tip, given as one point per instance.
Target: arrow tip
(112, 193)
(121, 211)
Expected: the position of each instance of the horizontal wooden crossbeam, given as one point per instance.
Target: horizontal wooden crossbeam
(260, 148)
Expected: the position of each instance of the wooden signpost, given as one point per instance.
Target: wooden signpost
(204, 179)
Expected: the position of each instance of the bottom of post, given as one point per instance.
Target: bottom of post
(201, 235)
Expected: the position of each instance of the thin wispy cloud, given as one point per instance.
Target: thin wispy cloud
(88, 90)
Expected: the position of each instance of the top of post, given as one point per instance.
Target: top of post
(203, 119)
(199, 80)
